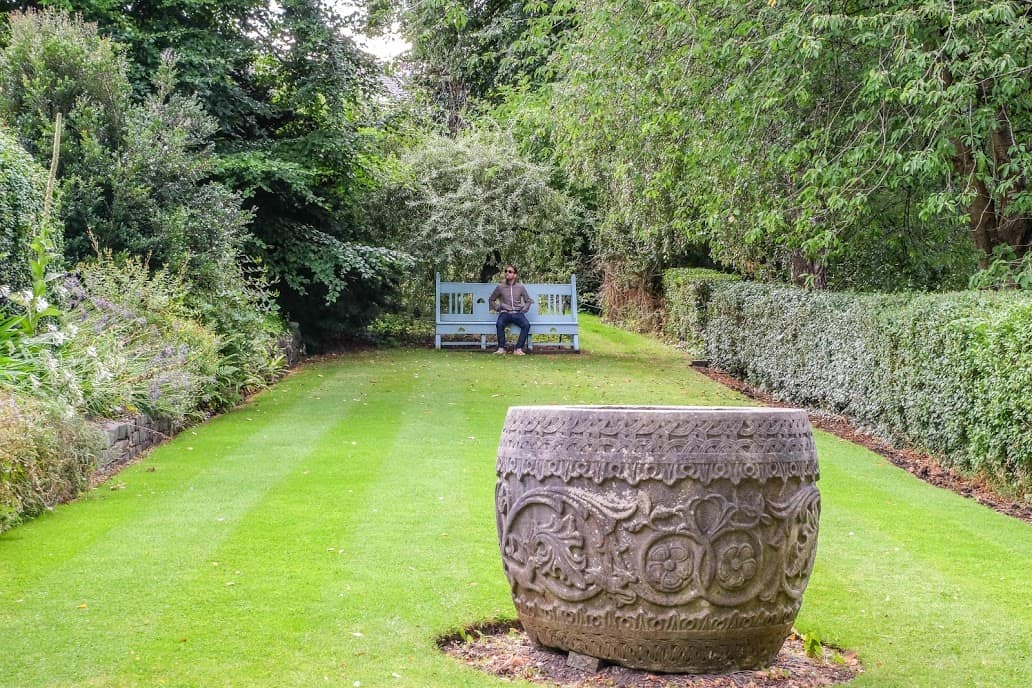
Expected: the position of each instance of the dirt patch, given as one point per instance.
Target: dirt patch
(921, 465)
(504, 650)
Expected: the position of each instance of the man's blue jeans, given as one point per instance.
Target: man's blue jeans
(518, 319)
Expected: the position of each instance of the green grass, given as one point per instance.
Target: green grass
(329, 530)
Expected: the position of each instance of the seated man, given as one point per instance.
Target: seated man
(511, 300)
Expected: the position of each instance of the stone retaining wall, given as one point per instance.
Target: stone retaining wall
(128, 438)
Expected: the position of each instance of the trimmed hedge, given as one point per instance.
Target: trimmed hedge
(686, 291)
(948, 373)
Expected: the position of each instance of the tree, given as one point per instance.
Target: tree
(466, 52)
(135, 178)
(948, 86)
(216, 41)
(290, 95)
(307, 170)
(748, 126)
(472, 203)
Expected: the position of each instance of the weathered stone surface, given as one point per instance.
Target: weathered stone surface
(661, 538)
(128, 438)
(583, 662)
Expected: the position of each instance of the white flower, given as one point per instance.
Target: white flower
(5, 291)
(39, 304)
(91, 351)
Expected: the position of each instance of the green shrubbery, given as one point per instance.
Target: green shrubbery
(22, 186)
(167, 317)
(122, 341)
(949, 373)
(46, 455)
(686, 291)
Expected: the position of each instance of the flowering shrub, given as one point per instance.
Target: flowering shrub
(131, 346)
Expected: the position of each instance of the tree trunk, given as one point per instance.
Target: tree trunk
(806, 272)
(991, 223)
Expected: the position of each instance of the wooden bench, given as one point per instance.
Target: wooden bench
(462, 311)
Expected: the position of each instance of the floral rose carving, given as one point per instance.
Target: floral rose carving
(737, 566)
(669, 565)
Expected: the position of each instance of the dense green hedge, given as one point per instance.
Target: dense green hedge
(686, 291)
(948, 373)
(22, 187)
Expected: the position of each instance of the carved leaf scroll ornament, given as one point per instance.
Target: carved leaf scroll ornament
(543, 545)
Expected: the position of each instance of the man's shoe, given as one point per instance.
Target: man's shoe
(519, 352)
(502, 351)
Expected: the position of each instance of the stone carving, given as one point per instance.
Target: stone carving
(662, 538)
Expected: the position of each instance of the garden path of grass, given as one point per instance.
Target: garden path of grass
(328, 531)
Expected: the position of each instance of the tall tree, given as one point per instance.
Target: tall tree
(216, 41)
(291, 95)
(465, 52)
(806, 135)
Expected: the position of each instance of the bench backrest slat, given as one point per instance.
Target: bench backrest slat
(467, 301)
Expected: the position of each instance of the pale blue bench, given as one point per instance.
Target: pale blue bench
(463, 317)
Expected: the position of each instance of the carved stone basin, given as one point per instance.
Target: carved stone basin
(674, 539)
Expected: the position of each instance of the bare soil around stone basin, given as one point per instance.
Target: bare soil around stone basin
(504, 650)
(917, 463)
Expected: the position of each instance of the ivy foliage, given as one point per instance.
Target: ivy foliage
(22, 188)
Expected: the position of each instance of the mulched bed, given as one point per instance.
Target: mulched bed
(921, 465)
(502, 649)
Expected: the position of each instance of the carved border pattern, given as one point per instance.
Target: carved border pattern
(572, 545)
(753, 651)
(705, 449)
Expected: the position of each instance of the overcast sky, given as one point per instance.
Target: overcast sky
(384, 47)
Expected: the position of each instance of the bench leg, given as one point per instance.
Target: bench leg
(483, 342)
(576, 342)
(437, 341)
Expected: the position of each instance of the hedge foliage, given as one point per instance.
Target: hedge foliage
(947, 373)
(22, 187)
(686, 291)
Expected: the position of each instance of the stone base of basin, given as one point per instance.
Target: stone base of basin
(693, 653)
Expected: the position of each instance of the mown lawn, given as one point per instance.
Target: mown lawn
(329, 530)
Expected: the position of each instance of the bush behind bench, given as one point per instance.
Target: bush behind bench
(947, 373)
